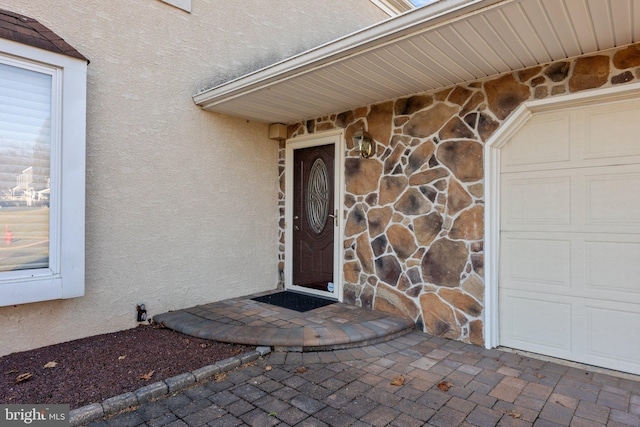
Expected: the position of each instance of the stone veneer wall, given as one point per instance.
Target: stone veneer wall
(415, 210)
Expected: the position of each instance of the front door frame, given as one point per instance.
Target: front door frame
(323, 138)
(492, 185)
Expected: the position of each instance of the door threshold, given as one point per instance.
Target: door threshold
(309, 294)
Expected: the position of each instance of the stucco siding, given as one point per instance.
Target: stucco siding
(182, 204)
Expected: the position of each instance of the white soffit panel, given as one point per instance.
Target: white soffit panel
(446, 43)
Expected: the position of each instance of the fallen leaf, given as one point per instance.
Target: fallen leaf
(268, 368)
(147, 376)
(398, 381)
(51, 365)
(237, 351)
(124, 356)
(513, 414)
(539, 375)
(203, 345)
(272, 414)
(445, 385)
(23, 377)
(11, 371)
(220, 377)
(301, 370)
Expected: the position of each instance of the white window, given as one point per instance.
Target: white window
(42, 174)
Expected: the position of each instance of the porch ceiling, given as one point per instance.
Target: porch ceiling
(446, 43)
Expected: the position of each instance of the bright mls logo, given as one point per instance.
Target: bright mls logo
(34, 415)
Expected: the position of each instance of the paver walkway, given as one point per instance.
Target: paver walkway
(352, 387)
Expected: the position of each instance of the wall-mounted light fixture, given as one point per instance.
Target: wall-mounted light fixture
(277, 131)
(363, 144)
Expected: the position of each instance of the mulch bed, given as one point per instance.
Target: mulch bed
(90, 370)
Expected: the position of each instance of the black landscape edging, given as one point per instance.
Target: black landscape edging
(113, 405)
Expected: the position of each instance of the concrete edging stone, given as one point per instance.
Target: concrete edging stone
(113, 405)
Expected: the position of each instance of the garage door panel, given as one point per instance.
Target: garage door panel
(613, 266)
(584, 200)
(601, 333)
(531, 261)
(612, 131)
(611, 199)
(615, 334)
(536, 324)
(530, 200)
(588, 137)
(530, 149)
(582, 265)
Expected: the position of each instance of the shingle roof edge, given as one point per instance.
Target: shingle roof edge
(22, 29)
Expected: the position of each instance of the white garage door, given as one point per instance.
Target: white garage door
(569, 282)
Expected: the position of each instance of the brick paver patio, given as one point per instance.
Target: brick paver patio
(353, 387)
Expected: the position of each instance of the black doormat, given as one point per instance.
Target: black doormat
(294, 301)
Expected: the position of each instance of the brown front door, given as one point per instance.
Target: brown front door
(313, 217)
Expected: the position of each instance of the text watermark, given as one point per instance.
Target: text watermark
(34, 415)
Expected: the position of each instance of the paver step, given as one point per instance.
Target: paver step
(244, 321)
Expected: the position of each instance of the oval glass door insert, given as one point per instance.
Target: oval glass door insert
(318, 196)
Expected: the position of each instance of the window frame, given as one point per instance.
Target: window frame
(65, 276)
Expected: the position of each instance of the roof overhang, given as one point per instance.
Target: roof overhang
(446, 43)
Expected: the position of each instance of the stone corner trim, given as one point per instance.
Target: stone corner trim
(113, 405)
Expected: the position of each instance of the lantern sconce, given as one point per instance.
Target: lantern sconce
(363, 143)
